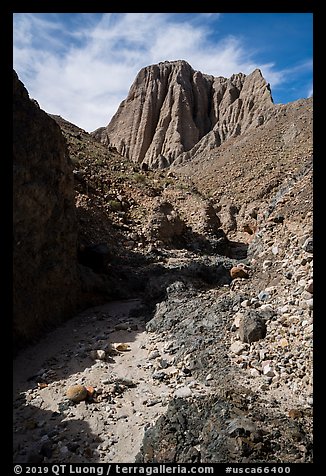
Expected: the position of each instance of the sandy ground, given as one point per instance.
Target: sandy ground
(112, 428)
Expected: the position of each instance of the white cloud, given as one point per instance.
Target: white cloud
(84, 72)
(209, 15)
(310, 91)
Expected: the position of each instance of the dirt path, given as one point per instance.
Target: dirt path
(133, 389)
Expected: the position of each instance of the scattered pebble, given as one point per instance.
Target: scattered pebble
(76, 393)
(184, 392)
(98, 354)
(153, 354)
(237, 347)
(238, 272)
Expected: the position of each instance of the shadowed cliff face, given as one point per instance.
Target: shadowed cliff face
(46, 285)
(172, 110)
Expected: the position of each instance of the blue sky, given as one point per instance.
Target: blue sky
(81, 65)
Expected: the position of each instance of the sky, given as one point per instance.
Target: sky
(81, 65)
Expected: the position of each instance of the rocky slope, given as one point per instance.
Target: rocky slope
(172, 111)
(250, 342)
(258, 170)
(262, 182)
(136, 214)
(44, 220)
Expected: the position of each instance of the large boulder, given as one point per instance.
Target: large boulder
(252, 328)
(164, 224)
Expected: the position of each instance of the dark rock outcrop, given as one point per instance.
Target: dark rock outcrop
(95, 256)
(165, 224)
(252, 328)
(46, 283)
(172, 112)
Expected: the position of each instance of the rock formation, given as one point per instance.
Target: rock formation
(45, 232)
(165, 224)
(172, 112)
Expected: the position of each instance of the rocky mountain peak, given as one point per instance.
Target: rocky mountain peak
(172, 110)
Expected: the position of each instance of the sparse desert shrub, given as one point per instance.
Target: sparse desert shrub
(114, 205)
(140, 178)
(183, 186)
